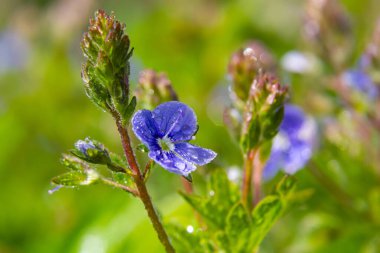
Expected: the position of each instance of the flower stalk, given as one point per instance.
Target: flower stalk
(141, 187)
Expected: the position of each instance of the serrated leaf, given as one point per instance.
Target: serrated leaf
(221, 189)
(187, 242)
(222, 241)
(220, 199)
(265, 214)
(238, 229)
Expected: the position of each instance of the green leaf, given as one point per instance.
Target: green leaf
(265, 214)
(286, 186)
(251, 139)
(128, 111)
(123, 178)
(188, 242)
(73, 163)
(117, 163)
(142, 148)
(76, 178)
(214, 207)
(238, 229)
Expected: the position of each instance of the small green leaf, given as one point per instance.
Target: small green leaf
(123, 178)
(142, 148)
(221, 197)
(238, 229)
(73, 163)
(286, 186)
(76, 178)
(265, 214)
(128, 111)
(188, 242)
(117, 164)
(251, 138)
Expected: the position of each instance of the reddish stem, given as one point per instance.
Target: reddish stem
(139, 181)
(247, 178)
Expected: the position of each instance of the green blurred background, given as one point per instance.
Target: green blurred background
(44, 110)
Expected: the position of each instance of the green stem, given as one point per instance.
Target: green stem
(139, 181)
(117, 185)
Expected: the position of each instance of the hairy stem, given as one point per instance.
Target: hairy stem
(142, 190)
(117, 185)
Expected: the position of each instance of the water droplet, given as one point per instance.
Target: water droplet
(190, 229)
(180, 165)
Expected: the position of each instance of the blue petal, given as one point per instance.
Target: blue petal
(361, 81)
(171, 162)
(145, 128)
(194, 154)
(175, 120)
(293, 119)
(297, 156)
(293, 146)
(273, 165)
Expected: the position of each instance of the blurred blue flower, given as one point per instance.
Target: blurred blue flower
(359, 80)
(14, 51)
(166, 131)
(293, 145)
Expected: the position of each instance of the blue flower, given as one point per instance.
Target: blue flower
(166, 132)
(359, 80)
(293, 145)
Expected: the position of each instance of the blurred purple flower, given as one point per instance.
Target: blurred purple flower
(293, 145)
(359, 80)
(14, 51)
(166, 132)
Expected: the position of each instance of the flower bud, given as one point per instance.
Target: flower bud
(328, 27)
(245, 65)
(154, 88)
(371, 57)
(105, 73)
(91, 151)
(263, 112)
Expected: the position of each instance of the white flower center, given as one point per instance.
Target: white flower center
(165, 144)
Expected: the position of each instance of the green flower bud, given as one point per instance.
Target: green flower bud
(91, 151)
(154, 88)
(245, 65)
(106, 71)
(263, 112)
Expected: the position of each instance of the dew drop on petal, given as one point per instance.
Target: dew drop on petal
(180, 165)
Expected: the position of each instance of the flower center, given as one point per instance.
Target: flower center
(165, 144)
